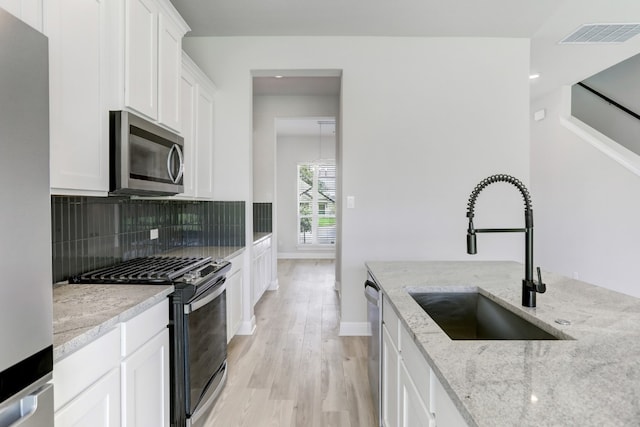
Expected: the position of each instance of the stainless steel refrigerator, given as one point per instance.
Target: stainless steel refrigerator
(26, 327)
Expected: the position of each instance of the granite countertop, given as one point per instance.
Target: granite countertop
(215, 252)
(83, 312)
(590, 380)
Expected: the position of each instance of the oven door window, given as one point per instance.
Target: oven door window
(206, 347)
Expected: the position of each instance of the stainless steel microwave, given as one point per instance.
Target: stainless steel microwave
(145, 159)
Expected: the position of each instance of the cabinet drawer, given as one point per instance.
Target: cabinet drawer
(144, 326)
(390, 319)
(79, 370)
(417, 365)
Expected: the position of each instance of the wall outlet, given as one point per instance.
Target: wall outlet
(153, 235)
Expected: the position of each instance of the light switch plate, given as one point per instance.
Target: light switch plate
(351, 202)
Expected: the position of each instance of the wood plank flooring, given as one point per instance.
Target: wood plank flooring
(295, 370)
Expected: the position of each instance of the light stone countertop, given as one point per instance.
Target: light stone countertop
(85, 312)
(590, 380)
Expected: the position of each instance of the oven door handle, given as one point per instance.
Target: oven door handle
(207, 297)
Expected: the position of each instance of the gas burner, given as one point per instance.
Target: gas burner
(146, 270)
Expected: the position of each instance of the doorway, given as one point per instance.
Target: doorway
(296, 149)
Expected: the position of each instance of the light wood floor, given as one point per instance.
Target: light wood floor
(295, 370)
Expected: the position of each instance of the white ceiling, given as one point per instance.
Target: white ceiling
(545, 22)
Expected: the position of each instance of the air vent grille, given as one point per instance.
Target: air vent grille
(602, 33)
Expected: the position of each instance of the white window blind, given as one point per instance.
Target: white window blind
(317, 203)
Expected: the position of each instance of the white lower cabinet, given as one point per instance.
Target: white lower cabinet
(234, 296)
(98, 406)
(120, 379)
(411, 395)
(144, 381)
(87, 384)
(447, 414)
(413, 412)
(390, 378)
(261, 268)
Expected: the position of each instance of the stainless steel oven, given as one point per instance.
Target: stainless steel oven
(199, 356)
(197, 326)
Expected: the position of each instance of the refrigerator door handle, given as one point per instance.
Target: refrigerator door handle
(32, 410)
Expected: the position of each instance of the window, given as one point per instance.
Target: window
(317, 203)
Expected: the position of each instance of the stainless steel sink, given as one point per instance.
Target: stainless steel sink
(473, 316)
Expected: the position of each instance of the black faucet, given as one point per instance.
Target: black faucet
(529, 286)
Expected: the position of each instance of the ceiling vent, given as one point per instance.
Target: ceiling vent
(602, 33)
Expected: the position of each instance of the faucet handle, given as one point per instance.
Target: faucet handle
(539, 287)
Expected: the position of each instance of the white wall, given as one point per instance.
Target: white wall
(291, 151)
(587, 206)
(422, 121)
(266, 109)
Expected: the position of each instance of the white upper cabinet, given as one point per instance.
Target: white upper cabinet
(141, 56)
(79, 119)
(204, 142)
(188, 93)
(197, 98)
(146, 59)
(105, 55)
(169, 71)
(30, 11)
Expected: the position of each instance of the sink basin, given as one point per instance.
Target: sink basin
(473, 316)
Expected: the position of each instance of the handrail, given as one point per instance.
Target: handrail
(610, 101)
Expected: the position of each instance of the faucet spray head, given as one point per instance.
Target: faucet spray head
(471, 243)
(471, 237)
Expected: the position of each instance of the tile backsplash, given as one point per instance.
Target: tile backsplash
(262, 217)
(93, 232)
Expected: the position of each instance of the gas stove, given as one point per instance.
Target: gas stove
(177, 271)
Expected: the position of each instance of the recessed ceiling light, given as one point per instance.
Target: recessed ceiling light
(534, 76)
(278, 77)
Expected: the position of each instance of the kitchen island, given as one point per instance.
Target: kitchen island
(590, 378)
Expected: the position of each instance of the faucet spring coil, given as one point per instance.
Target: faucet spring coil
(497, 178)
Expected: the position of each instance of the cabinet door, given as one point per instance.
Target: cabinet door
(413, 412)
(446, 412)
(389, 380)
(98, 406)
(169, 70)
(79, 127)
(268, 264)
(204, 138)
(234, 303)
(256, 279)
(188, 107)
(141, 57)
(145, 384)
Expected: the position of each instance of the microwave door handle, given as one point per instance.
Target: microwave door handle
(175, 149)
(181, 160)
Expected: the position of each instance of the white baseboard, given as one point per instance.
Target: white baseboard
(306, 255)
(274, 286)
(248, 327)
(354, 329)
